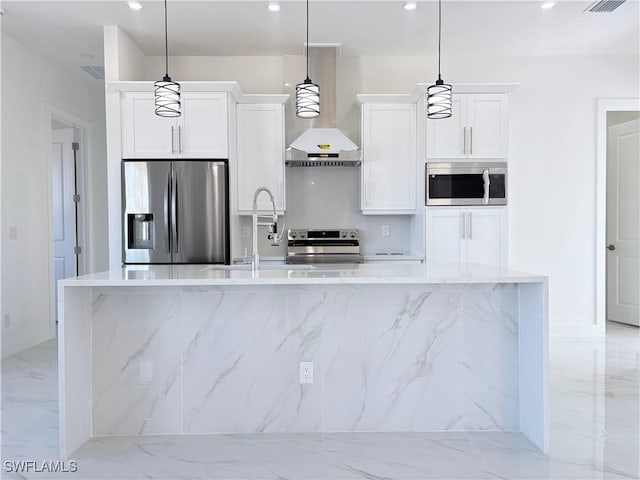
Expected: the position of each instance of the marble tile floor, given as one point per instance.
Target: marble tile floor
(595, 433)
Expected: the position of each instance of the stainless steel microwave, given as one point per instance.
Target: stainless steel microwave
(481, 183)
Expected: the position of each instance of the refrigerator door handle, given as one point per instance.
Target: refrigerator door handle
(167, 213)
(174, 213)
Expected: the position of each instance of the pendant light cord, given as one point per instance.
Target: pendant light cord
(439, 33)
(166, 42)
(307, 54)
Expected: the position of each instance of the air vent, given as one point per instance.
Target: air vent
(95, 71)
(604, 6)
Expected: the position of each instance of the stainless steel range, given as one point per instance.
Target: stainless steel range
(324, 246)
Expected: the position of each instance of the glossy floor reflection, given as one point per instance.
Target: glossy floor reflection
(595, 433)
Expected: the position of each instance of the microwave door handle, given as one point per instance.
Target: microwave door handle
(487, 182)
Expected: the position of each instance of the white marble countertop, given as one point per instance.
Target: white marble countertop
(280, 274)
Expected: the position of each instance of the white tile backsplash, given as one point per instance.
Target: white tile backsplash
(329, 197)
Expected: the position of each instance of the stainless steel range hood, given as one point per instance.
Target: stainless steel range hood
(323, 145)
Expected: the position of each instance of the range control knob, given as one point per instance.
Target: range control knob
(352, 234)
(293, 235)
(343, 234)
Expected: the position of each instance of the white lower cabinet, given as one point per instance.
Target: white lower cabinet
(457, 235)
(260, 140)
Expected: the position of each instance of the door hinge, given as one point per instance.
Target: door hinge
(76, 198)
(77, 250)
(75, 146)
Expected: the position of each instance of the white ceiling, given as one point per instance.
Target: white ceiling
(64, 30)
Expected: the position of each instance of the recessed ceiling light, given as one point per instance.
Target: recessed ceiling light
(273, 7)
(548, 5)
(410, 6)
(135, 5)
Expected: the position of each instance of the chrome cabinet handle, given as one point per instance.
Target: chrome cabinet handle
(464, 140)
(470, 226)
(173, 144)
(611, 247)
(179, 138)
(463, 230)
(470, 140)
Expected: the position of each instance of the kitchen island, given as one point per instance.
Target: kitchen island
(214, 349)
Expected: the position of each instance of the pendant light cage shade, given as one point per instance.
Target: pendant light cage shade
(167, 92)
(307, 92)
(167, 96)
(439, 102)
(439, 99)
(307, 99)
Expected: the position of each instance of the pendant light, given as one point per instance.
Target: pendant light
(167, 92)
(307, 92)
(439, 94)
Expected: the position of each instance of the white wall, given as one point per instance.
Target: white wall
(29, 83)
(552, 203)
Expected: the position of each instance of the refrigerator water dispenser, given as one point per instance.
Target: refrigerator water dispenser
(140, 231)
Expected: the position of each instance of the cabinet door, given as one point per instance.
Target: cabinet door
(260, 136)
(145, 134)
(446, 136)
(445, 242)
(203, 132)
(487, 126)
(486, 234)
(388, 169)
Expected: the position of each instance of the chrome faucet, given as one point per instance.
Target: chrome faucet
(256, 221)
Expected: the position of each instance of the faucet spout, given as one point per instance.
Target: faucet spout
(273, 226)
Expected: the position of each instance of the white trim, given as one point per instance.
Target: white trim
(84, 127)
(604, 105)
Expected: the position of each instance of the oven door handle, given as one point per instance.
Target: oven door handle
(487, 183)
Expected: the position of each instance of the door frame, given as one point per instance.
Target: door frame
(605, 105)
(83, 127)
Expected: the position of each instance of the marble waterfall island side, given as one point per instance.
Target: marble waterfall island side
(203, 349)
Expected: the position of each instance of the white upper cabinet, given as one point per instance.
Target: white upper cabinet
(260, 140)
(477, 128)
(388, 172)
(200, 132)
(466, 235)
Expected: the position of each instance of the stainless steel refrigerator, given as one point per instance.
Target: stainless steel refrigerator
(175, 211)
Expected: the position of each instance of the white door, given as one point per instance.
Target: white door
(389, 169)
(486, 232)
(446, 136)
(487, 126)
(260, 130)
(623, 222)
(64, 222)
(145, 134)
(203, 131)
(445, 236)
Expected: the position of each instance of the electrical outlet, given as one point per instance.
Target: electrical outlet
(7, 320)
(385, 230)
(306, 372)
(246, 231)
